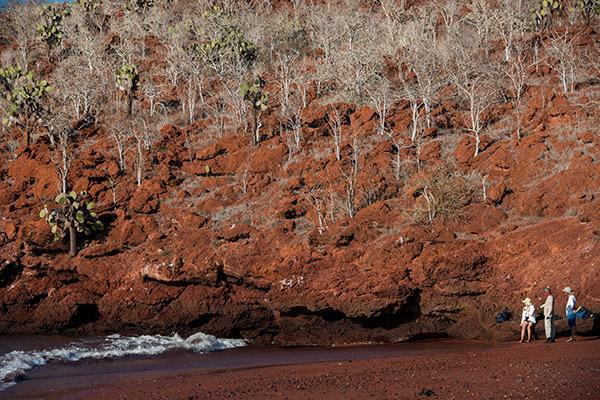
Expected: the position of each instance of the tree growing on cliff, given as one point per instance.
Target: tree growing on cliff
(257, 101)
(516, 69)
(22, 99)
(228, 54)
(509, 23)
(74, 215)
(288, 44)
(17, 20)
(425, 70)
(474, 82)
(62, 128)
(564, 59)
(588, 9)
(127, 78)
(50, 30)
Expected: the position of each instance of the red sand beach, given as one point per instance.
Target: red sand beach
(441, 370)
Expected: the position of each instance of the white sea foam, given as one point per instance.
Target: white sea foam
(14, 365)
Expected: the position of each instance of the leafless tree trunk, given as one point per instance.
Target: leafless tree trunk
(349, 204)
(334, 120)
(120, 138)
(431, 204)
(65, 164)
(316, 202)
(516, 70)
(484, 185)
(139, 162)
(151, 92)
(381, 94)
(564, 59)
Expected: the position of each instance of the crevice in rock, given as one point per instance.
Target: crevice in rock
(84, 314)
(9, 273)
(201, 321)
(36, 299)
(327, 314)
(393, 315)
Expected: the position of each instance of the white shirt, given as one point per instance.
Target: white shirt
(549, 306)
(571, 303)
(528, 314)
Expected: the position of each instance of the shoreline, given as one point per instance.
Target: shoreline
(449, 369)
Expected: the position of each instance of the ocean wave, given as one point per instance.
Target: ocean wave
(14, 365)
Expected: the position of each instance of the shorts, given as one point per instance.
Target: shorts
(572, 321)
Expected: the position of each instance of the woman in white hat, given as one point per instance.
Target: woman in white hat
(527, 319)
(570, 312)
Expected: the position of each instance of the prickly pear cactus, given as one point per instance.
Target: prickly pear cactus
(127, 78)
(588, 9)
(258, 100)
(88, 5)
(50, 30)
(227, 42)
(74, 215)
(252, 92)
(23, 93)
(545, 11)
(142, 6)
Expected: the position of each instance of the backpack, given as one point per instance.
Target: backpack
(503, 317)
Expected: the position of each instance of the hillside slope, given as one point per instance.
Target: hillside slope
(385, 240)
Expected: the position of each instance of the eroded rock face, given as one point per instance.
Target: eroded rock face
(225, 237)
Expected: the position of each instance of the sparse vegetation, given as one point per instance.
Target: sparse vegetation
(390, 77)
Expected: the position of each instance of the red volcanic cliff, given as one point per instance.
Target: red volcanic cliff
(186, 251)
(387, 240)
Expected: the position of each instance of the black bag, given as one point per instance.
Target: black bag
(503, 317)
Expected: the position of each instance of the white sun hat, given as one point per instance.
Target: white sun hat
(568, 289)
(527, 301)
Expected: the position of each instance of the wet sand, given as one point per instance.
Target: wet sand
(439, 369)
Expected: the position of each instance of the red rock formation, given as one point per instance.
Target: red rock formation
(224, 237)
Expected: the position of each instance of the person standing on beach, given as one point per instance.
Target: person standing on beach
(548, 307)
(570, 312)
(527, 319)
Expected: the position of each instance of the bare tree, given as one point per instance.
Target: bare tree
(410, 93)
(431, 202)
(120, 134)
(484, 185)
(151, 91)
(140, 153)
(422, 50)
(509, 24)
(61, 131)
(564, 59)
(396, 154)
(474, 83)
(288, 45)
(334, 120)
(84, 89)
(381, 93)
(315, 198)
(349, 202)
(394, 15)
(292, 133)
(516, 69)
(22, 18)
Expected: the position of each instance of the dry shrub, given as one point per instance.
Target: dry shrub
(440, 192)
